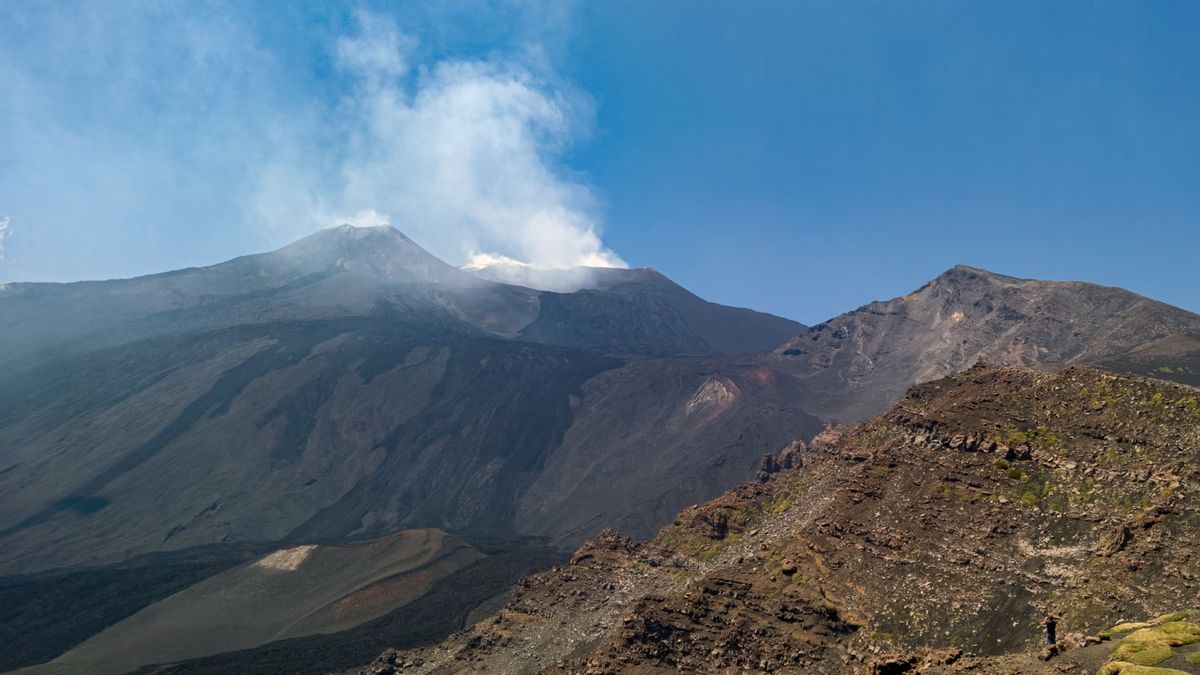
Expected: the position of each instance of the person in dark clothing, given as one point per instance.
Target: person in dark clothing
(1050, 625)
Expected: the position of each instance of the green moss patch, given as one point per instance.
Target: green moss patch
(1124, 668)
(1142, 653)
(1149, 643)
(1124, 628)
(1194, 657)
(1174, 634)
(778, 505)
(1178, 616)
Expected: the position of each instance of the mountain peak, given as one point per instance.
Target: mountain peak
(961, 268)
(348, 230)
(966, 272)
(378, 251)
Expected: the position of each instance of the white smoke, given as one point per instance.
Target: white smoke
(4, 232)
(511, 271)
(460, 155)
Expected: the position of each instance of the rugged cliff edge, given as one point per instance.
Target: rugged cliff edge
(932, 538)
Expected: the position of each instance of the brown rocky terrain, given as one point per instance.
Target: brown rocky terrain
(932, 538)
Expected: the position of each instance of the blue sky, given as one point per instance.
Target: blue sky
(797, 157)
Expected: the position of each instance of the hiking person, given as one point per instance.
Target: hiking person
(1050, 625)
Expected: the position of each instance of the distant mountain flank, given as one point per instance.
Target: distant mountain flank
(860, 362)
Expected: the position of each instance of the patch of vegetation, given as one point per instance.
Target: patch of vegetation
(1056, 501)
(1142, 653)
(966, 495)
(1126, 668)
(1001, 464)
(1149, 643)
(1188, 402)
(1177, 616)
(717, 546)
(1045, 437)
(778, 505)
(1030, 498)
(1013, 435)
(1124, 628)
(1174, 633)
(681, 574)
(1017, 474)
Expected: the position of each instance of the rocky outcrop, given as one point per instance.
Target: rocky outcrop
(791, 457)
(929, 540)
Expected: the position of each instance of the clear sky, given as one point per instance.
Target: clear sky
(801, 158)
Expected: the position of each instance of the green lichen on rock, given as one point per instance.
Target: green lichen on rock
(1194, 657)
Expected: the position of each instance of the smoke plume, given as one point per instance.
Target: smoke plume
(4, 231)
(462, 155)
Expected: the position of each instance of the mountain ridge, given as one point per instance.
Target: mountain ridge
(859, 362)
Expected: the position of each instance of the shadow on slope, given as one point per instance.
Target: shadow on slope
(44, 615)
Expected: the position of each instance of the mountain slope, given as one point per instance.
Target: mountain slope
(304, 590)
(1175, 357)
(952, 523)
(336, 273)
(354, 272)
(299, 429)
(860, 362)
(649, 437)
(658, 317)
(350, 384)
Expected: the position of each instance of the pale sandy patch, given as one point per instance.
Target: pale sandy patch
(287, 559)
